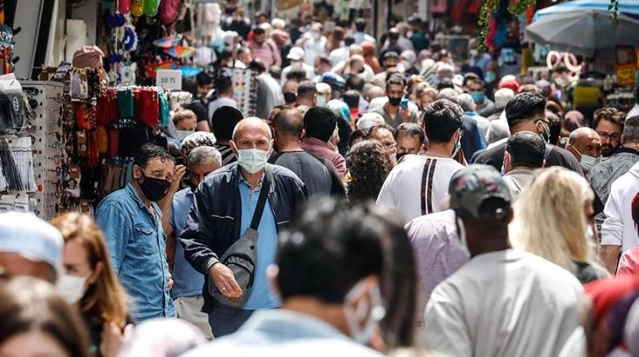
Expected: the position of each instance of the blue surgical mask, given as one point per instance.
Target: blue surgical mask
(490, 77)
(478, 97)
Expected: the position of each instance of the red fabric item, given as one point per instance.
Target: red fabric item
(606, 292)
(510, 84)
(475, 5)
(114, 142)
(169, 10)
(149, 107)
(81, 117)
(629, 262)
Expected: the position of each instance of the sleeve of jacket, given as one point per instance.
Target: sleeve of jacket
(198, 233)
(612, 227)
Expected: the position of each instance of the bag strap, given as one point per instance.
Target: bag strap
(261, 202)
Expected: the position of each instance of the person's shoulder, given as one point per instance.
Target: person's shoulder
(284, 174)
(491, 153)
(116, 198)
(181, 195)
(437, 221)
(549, 271)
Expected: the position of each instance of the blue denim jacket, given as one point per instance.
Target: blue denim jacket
(137, 247)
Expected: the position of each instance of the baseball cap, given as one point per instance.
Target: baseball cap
(391, 54)
(31, 237)
(295, 54)
(472, 186)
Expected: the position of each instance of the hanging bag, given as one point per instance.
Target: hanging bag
(169, 10)
(241, 257)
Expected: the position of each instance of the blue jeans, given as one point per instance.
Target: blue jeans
(225, 320)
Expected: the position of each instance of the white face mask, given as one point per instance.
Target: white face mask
(320, 101)
(393, 158)
(588, 162)
(181, 134)
(462, 236)
(355, 317)
(71, 288)
(590, 235)
(252, 160)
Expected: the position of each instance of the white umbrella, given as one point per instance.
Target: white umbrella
(584, 32)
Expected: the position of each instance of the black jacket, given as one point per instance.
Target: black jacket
(214, 222)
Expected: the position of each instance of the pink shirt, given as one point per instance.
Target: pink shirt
(318, 148)
(629, 262)
(268, 53)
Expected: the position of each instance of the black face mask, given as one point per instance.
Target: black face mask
(154, 189)
(394, 101)
(399, 156)
(289, 98)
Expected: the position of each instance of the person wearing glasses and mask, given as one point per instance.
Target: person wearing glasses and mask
(527, 112)
(223, 213)
(132, 224)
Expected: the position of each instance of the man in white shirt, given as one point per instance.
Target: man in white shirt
(224, 89)
(296, 56)
(418, 185)
(635, 110)
(313, 43)
(337, 311)
(502, 302)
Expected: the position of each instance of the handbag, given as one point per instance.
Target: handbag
(241, 257)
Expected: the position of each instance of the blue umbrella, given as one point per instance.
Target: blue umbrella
(190, 71)
(626, 7)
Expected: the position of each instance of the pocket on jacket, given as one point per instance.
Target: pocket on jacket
(145, 240)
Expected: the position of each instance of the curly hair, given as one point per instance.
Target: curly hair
(369, 167)
(611, 114)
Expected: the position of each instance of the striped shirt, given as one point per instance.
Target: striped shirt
(227, 154)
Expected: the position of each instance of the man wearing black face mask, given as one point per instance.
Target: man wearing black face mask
(289, 90)
(393, 111)
(132, 224)
(187, 288)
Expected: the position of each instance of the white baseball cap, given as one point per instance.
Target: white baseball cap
(295, 54)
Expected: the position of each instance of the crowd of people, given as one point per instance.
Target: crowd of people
(385, 200)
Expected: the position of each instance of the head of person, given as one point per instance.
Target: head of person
(289, 90)
(426, 96)
(306, 92)
(369, 120)
(275, 71)
(415, 23)
(554, 124)
(443, 125)
(288, 128)
(316, 30)
(555, 106)
(322, 65)
(153, 171)
(201, 161)
(259, 35)
(324, 94)
(199, 138)
(395, 90)
(297, 73)
(554, 197)
(36, 321)
(384, 134)
(29, 246)
(224, 86)
(585, 145)
(467, 103)
(369, 167)
(244, 55)
(410, 138)
(609, 124)
(203, 84)
(320, 123)
(528, 88)
(481, 200)
(390, 60)
(527, 112)
(88, 279)
(224, 121)
(252, 143)
(368, 48)
(476, 90)
(360, 24)
(296, 55)
(261, 18)
(375, 92)
(393, 35)
(524, 150)
(630, 136)
(185, 122)
(278, 23)
(502, 97)
(363, 268)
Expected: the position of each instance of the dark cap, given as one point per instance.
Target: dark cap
(391, 54)
(470, 187)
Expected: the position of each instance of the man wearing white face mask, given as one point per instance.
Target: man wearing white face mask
(585, 145)
(224, 210)
(337, 311)
(502, 302)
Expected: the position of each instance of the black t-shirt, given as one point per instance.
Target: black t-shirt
(315, 174)
(200, 110)
(555, 156)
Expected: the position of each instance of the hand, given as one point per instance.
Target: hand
(404, 114)
(113, 337)
(178, 174)
(170, 281)
(224, 280)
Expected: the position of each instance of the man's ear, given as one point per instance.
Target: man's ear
(233, 146)
(137, 172)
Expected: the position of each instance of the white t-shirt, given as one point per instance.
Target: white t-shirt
(505, 303)
(413, 179)
(634, 111)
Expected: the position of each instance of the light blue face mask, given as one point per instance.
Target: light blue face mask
(478, 97)
(490, 77)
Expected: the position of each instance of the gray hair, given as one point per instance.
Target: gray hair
(197, 139)
(631, 130)
(203, 155)
(497, 130)
(466, 102)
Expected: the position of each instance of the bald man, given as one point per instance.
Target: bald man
(585, 145)
(223, 211)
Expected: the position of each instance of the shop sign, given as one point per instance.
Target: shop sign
(626, 65)
(169, 79)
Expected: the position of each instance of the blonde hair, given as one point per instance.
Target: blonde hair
(550, 219)
(106, 299)
(183, 114)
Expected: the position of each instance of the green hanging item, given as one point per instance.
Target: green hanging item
(151, 7)
(137, 9)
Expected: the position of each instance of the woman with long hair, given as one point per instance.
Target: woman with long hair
(554, 219)
(369, 166)
(37, 322)
(89, 283)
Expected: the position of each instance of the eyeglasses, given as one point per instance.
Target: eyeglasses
(615, 137)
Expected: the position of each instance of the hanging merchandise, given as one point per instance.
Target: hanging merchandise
(6, 49)
(137, 8)
(244, 88)
(151, 7)
(169, 10)
(124, 6)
